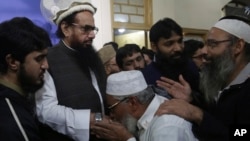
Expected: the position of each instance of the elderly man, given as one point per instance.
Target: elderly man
(23, 51)
(75, 84)
(133, 103)
(224, 81)
(107, 54)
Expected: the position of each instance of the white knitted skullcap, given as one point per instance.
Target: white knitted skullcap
(235, 27)
(125, 83)
(56, 10)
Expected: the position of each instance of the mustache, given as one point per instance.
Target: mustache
(176, 54)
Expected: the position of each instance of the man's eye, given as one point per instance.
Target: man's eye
(139, 58)
(211, 43)
(180, 40)
(169, 43)
(88, 28)
(40, 58)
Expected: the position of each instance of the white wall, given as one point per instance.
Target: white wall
(163, 8)
(198, 14)
(103, 22)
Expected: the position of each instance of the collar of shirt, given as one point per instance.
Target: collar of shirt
(243, 75)
(148, 115)
(68, 46)
(12, 86)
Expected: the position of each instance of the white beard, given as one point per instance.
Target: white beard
(131, 124)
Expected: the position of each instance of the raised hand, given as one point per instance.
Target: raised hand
(179, 90)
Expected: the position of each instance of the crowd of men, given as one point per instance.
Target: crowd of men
(186, 91)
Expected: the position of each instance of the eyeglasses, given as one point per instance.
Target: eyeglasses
(200, 57)
(87, 28)
(214, 43)
(111, 108)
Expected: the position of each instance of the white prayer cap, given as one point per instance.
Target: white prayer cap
(125, 83)
(56, 10)
(235, 27)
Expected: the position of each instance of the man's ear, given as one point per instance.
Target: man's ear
(240, 44)
(12, 63)
(153, 46)
(65, 29)
(133, 103)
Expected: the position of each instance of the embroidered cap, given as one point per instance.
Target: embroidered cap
(106, 53)
(125, 83)
(56, 10)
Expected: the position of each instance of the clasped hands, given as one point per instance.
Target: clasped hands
(110, 130)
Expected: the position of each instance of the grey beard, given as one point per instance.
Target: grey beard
(131, 124)
(214, 76)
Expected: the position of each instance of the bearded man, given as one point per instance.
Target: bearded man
(224, 81)
(75, 84)
(166, 40)
(133, 103)
(23, 51)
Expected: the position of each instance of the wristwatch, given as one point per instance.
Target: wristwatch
(98, 117)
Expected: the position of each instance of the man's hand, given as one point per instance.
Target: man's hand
(178, 90)
(112, 131)
(181, 108)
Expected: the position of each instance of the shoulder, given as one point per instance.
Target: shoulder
(170, 121)
(55, 48)
(150, 67)
(6, 92)
(192, 67)
(170, 127)
(150, 70)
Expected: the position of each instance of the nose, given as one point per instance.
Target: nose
(137, 65)
(209, 51)
(91, 34)
(204, 49)
(45, 64)
(178, 46)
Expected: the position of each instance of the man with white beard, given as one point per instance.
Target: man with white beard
(225, 84)
(133, 103)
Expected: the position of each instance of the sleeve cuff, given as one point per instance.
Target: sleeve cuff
(131, 139)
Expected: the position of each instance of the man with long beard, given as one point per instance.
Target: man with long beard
(225, 84)
(133, 103)
(76, 81)
(166, 40)
(23, 51)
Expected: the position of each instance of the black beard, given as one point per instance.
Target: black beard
(214, 76)
(171, 67)
(89, 58)
(28, 84)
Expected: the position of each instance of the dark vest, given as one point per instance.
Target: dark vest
(73, 81)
